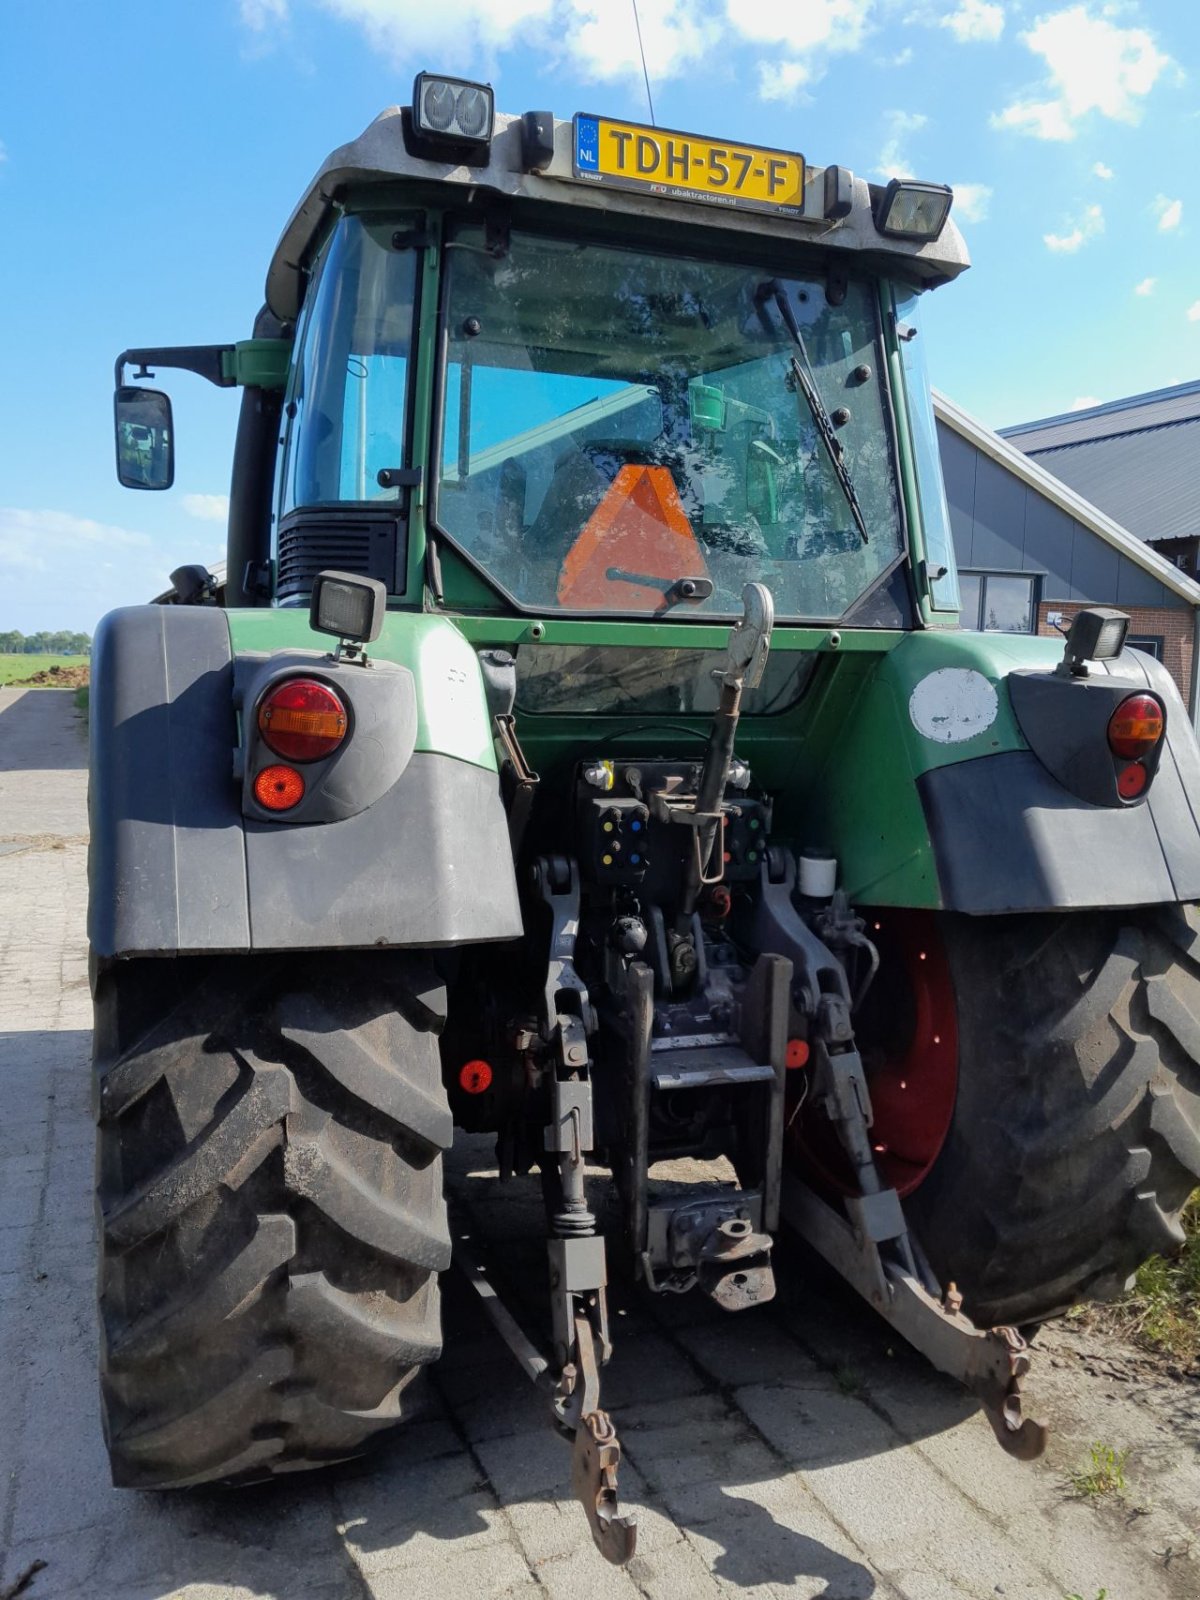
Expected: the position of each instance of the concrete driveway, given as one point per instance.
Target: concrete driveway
(798, 1450)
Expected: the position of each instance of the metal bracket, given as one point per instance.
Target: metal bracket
(556, 879)
(990, 1363)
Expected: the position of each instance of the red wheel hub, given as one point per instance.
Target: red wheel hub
(907, 1034)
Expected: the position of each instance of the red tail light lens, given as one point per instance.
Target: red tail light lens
(279, 788)
(475, 1077)
(302, 720)
(1132, 781)
(1135, 727)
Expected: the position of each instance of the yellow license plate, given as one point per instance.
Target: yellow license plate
(684, 167)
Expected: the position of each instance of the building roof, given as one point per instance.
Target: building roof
(1060, 493)
(1133, 458)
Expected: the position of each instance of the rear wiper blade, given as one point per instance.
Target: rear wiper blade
(800, 376)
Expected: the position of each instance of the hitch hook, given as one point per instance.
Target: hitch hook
(596, 1451)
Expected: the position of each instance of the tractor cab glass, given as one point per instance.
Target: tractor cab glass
(625, 432)
(347, 404)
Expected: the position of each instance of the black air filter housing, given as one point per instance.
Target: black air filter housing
(318, 538)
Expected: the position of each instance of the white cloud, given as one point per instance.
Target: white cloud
(597, 34)
(1093, 65)
(260, 15)
(600, 35)
(893, 157)
(207, 507)
(975, 21)
(971, 201)
(58, 570)
(596, 37)
(1145, 287)
(1085, 402)
(814, 25)
(1168, 212)
(37, 541)
(1099, 170)
(1084, 228)
(782, 80)
(901, 58)
(1193, 311)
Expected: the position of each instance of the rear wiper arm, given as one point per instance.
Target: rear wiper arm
(800, 376)
(673, 589)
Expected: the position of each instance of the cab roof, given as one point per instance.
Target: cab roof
(384, 153)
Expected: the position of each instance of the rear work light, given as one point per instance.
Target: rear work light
(302, 720)
(1135, 727)
(279, 788)
(452, 109)
(909, 210)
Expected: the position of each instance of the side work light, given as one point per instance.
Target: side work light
(452, 111)
(908, 210)
(350, 607)
(1095, 634)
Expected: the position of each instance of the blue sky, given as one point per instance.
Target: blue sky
(151, 153)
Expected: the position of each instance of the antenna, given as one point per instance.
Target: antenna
(642, 50)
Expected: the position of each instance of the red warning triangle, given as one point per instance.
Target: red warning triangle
(638, 531)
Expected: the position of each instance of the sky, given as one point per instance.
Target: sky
(150, 154)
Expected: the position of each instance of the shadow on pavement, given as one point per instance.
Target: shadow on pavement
(41, 731)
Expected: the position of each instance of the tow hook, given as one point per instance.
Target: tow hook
(596, 1450)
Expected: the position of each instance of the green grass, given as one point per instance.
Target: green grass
(1104, 1473)
(1162, 1310)
(19, 668)
(83, 699)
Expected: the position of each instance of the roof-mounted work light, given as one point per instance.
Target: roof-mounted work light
(452, 111)
(350, 607)
(909, 210)
(1096, 634)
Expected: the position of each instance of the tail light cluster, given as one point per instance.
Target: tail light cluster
(301, 720)
(1135, 732)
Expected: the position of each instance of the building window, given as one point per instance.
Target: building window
(998, 602)
(1150, 643)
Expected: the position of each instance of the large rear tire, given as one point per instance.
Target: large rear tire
(1075, 1139)
(269, 1191)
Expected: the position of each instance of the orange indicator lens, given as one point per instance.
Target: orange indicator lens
(302, 720)
(1135, 727)
(279, 788)
(797, 1053)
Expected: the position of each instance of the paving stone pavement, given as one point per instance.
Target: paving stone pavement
(795, 1451)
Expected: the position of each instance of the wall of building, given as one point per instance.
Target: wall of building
(1002, 524)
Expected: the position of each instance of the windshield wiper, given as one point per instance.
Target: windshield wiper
(802, 377)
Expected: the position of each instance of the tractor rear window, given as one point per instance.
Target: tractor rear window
(620, 680)
(629, 433)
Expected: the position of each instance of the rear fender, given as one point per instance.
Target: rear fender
(403, 841)
(932, 796)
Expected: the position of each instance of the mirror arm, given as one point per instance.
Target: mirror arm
(212, 361)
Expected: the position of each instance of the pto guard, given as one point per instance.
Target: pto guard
(176, 868)
(976, 820)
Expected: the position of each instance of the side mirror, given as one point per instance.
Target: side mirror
(145, 438)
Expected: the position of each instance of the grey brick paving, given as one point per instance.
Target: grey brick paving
(757, 1473)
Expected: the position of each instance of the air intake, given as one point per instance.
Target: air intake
(318, 538)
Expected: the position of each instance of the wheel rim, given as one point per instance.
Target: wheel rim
(907, 1034)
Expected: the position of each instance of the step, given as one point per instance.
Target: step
(708, 1067)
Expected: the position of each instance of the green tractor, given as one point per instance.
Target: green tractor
(582, 748)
